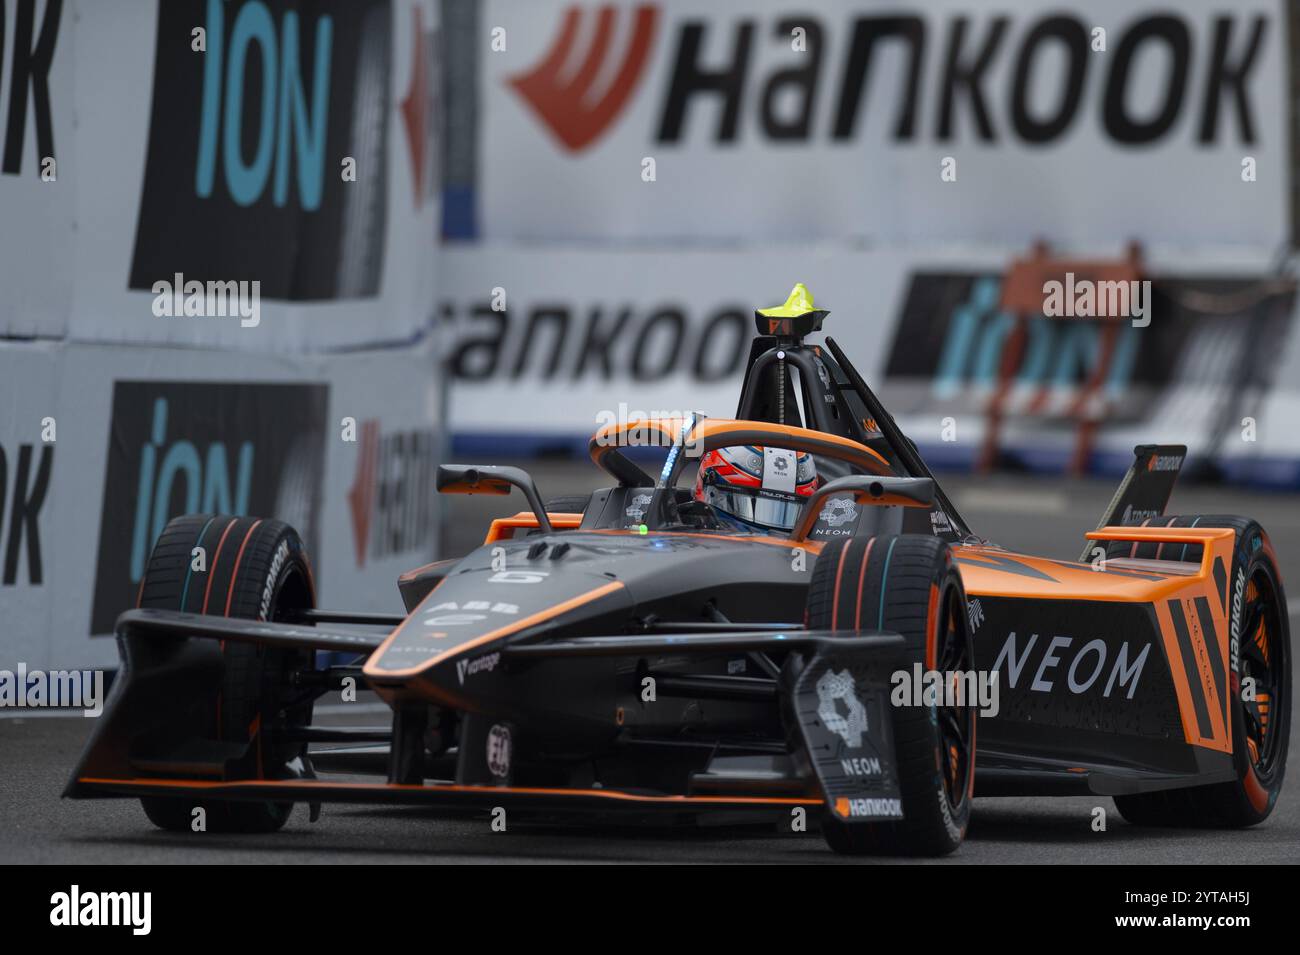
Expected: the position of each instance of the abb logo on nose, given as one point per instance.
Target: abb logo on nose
(566, 100)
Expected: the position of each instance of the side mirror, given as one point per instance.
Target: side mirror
(489, 479)
(900, 491)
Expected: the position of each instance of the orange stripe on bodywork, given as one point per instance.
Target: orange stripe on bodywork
(1183, 690)
(498, 528)
(1062, 580)
(372, 669)
(310, 784)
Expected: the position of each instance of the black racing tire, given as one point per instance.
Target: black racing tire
(255, 570)
(1257, 615)
(908, 584)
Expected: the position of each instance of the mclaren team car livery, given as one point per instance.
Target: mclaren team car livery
(637, 651)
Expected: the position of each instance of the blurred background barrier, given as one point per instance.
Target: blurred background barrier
(583, 334)
(343, 446)
(218, 233)
(1085, 122)
(632, 179)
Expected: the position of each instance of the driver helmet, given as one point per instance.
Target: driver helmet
(756, 488)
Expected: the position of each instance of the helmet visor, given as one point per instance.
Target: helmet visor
(755, 507)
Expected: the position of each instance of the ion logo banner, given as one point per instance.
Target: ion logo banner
(183, 447)
(1210, 353)
(244, 178)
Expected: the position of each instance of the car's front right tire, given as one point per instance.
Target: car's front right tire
(910, 585)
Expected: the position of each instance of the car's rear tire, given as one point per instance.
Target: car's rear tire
(907, 584)
(253, 569)
(1260, 727)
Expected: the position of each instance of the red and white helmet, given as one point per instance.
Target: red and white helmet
(761, 488)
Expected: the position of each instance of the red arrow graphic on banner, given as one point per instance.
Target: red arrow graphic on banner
(566, 106)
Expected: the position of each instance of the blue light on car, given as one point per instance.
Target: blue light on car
(669, 461)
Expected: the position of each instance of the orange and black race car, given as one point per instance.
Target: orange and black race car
(636, 651)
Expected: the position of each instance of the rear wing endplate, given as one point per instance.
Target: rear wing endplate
(1145, 490)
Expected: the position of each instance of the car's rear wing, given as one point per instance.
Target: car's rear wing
(1144, 492)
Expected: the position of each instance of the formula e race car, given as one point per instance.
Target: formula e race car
(639, 652)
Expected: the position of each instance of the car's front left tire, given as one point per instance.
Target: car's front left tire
(253, 569)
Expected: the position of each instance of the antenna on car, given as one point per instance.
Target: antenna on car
(786, 325)
(791, 321)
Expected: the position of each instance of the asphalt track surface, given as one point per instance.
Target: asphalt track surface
(1039, 516)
